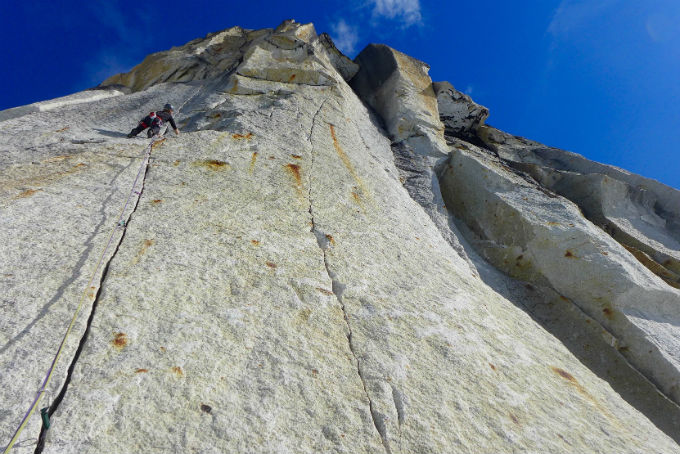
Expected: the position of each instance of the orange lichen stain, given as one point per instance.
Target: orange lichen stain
(271, 264)
(65, 128)
(570, 254)
(158, 143)
(252, 162)
(330, 239)
(492, 367)
(178, 371)
(247, 136)
(345, 160)
(120, 340)
(141, 371)
(291, 78)
(357, 198)
(156, 201)
(92, 292)
(255, 242)
(573, 382)
(296, 156)
(57, 158)
(142, 250)
(324, 291)
(27, 193)
(608, 312)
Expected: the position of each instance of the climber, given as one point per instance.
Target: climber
(154, 121)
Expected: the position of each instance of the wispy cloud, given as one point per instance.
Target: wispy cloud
(345, 36)
(407, 12)
(122, 50)
(572, 15)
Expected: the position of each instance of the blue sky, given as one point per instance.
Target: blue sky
(597, 77)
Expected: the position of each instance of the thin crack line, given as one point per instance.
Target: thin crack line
(83, 340)
(338, 288)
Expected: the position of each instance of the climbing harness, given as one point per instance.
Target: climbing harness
(121, 223)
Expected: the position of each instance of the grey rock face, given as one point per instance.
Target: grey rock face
(462, 117)
(277, 287)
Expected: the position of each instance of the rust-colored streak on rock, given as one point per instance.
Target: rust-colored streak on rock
(573, 382)
(492, 367)
(141, 371)
(214, 164)
(253, 159)
(294, 170)
(271, 264)
(156, 201)
(178, 371)
(176, 163)
(66, 128)
(247, 136)
(291, 78)
(27, 193)
(120, 340)
(296, 156)
(564, 374)
(330, 239)
(570, 254)
(345, 160)
(255, 242)
(608, 312)
(324, 291)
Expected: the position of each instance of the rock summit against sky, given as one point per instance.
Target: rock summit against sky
(333, 256)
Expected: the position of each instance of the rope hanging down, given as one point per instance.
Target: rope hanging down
(119, 223)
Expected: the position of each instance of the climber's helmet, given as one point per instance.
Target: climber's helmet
(168, 108)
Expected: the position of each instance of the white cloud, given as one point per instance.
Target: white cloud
(345, 36)
(406, 11)
(572, 15)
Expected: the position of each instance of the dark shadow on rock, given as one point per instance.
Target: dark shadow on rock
(108, 133)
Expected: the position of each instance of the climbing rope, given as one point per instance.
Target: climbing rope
(120, 223)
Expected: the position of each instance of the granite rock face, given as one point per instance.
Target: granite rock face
(289, 279)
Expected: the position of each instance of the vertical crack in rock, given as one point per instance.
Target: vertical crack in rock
(338, 288)
(78, 268)
(83, 340)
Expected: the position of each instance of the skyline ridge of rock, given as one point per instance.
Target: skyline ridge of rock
(333, 256)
